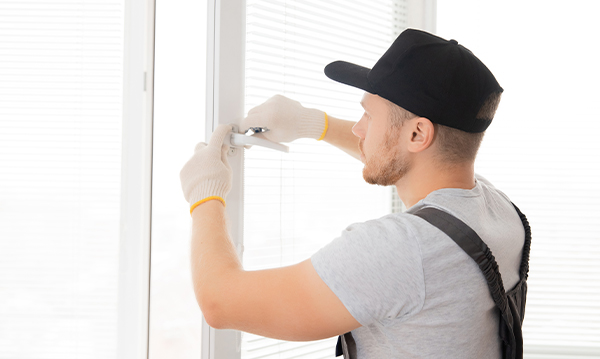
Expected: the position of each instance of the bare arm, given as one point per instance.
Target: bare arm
(291, 303)
(339, 134)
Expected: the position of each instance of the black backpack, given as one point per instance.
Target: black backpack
(511, 304)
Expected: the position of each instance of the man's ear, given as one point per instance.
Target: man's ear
(422, 132)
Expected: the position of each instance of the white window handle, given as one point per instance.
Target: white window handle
(235, 139)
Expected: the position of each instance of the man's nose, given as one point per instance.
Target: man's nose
(358, 129)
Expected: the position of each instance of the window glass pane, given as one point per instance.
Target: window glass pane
(179, 96)
(542, 151)
(296, 203)
(60, 165)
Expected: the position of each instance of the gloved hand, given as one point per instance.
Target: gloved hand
(207, 175)
(287, 120)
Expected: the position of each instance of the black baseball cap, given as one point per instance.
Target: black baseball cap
(428, 76)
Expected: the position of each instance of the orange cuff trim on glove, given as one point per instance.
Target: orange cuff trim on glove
(326, 127)
(206, 200)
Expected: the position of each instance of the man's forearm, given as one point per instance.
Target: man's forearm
(213, 255)
(339, 134)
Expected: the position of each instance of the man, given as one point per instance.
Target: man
(402, 287)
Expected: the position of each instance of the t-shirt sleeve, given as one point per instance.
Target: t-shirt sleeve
(375, 269)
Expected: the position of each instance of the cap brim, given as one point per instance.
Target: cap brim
(349, 74)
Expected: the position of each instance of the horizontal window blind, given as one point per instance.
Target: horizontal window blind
(296, 203)
(60, 159)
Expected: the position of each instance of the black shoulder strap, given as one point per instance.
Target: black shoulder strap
(472, 244)
(346, 346)
(524, 269)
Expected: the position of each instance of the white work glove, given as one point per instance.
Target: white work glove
(287, 120)
(207, 175)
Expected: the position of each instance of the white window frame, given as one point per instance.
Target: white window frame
(136, 180)
(225, 104)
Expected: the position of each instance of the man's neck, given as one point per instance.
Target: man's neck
(422, 180)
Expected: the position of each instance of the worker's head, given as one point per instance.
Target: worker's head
(392, 139)
(436, 97)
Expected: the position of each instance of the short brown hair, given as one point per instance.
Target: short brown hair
(455, 146)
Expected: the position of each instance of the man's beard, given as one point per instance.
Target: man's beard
(386, 166)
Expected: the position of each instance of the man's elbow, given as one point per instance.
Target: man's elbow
(212, 307)
(213, 316)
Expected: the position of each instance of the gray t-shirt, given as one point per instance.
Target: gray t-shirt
(415, 292)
